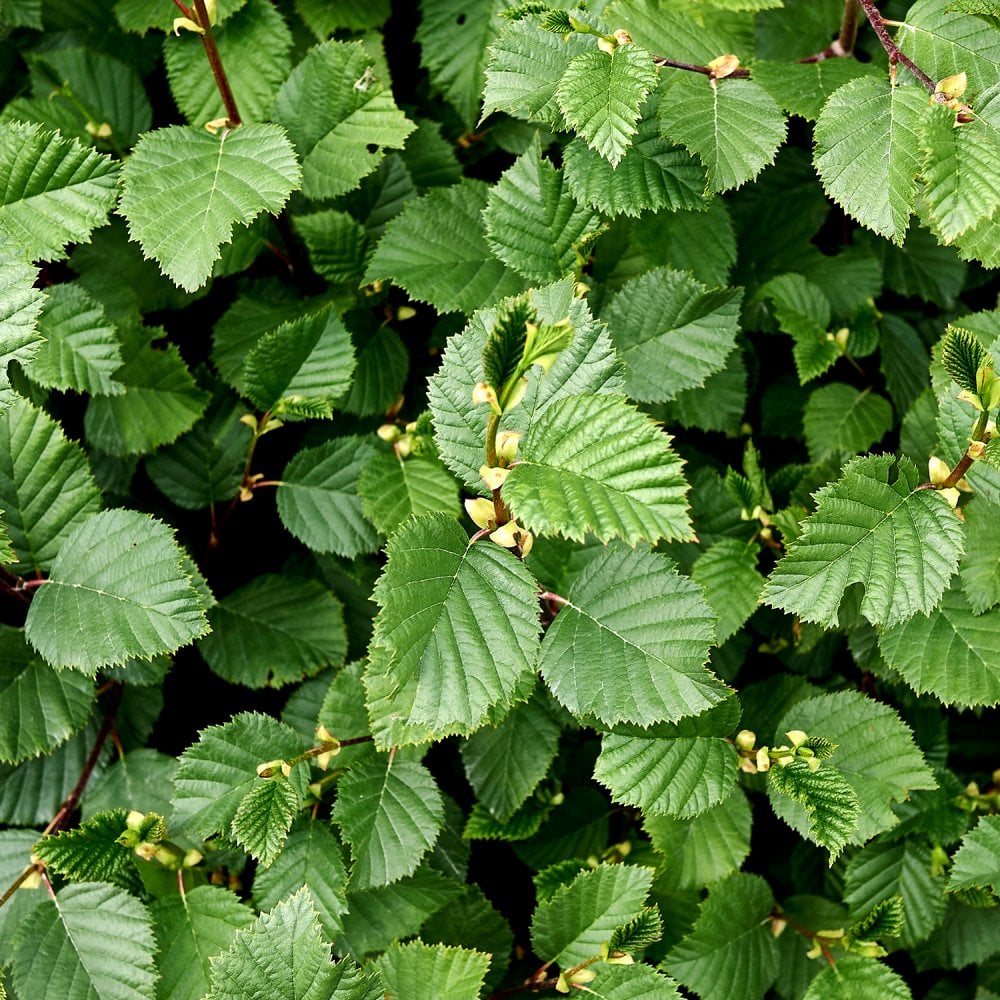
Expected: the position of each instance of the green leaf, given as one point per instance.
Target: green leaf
(273, 631)
(977, 861)
(826, 796)
(161, 402)
(631, 982)
(677, 770)
(254, 46)
(91, 852)
(56, 192)
(803, 310)
(42, 707)
(980, 568)
(733, 126)
(390, 813)
(631, 616)
(874, 526)
(600, 94)
(952, 653)
(311, 856)
(217, 772)
(307, 363)
(803, 88)
(46, 487)
(457, 633)
(876, 754)
(138, 16)
(336, 245)
(393, 489)
(318, 498)
(533, 223)
(672, 331)
(142, 780)
(730, 951)
(322, 19)
(572, 924)
(191, 930)
(451, 269)
(854, 978)
(885, 920)
(225, 180)
(93, 939)
(120, 579)
(522, 824)
(505, 764)
(962, 355)
(382, 366)
(868, 154)
(419, 971)
(340, 116)
(838, 420)
(264, 817)
(20, 306)
(595, 464)
(727, 573)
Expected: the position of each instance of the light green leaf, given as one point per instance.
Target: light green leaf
(20, 305)
(340, 116)
(390, 813)
(336, 243)
(192, 929)
(56, 192)
(81, 351)
(220, 769)
(733, 126)
(15, 856)
(977, 861)
(874, 526)
(142, 780)
(952, 653)
(533, 223)
(855, 978)
(161, 401)
(631, 616)
(600, 94)
(505, 764)
(393, 489)
(730, 951)
(273, 631)
(595, 464)
(803, 310)
(254, 46)
(457, 633)
(572, 924)
(90, 852)
(631, 982)
(42, 707)
(672, 331)
(803, 88)
(838, 420)
(452, 269)
(46, 487)
(311, 856)
(264, 817)
(727, 572)
(318, 498)
(120, 580)
(876, 754)
(677, 770)
(418, 971)
(183, 191)
(322, 18)
(94, 939)
(138, 16)
(868, 153)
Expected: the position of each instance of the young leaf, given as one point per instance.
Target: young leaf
(868, 154)
(393, 490)
(730, 951)
(457, 632)
(875, 526)
(838, 419)
(667, 314)
(183, 190)
(600, 94)
(120, 578)
(92, 852)
(420, 971)
(190, 931)
(94, 936)
(56, 192)
(854, 977)
(631, 643)
(727, 572)
(391, 813)
(264, 817)
(962, 355)
(976, 861)
(733, 126)
(577, 919)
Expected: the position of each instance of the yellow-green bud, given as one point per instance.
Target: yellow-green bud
(481, 511)
(952, 86)
(507, 442)
(483, 392)
(493, 476)
(403, 313)
(763, 760)
(388, 432)
(797, 737)
(745, 739)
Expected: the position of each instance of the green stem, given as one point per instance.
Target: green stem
(218, 71)
(965, 462)
(491, 440)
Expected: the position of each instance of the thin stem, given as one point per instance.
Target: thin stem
(528, 986)
(740, 73)
(843, 45)
(892, 49)
(218, 71)
(965, 462)
(186, 11)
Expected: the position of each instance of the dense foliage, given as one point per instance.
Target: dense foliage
(499, 500)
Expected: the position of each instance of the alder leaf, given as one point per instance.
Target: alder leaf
(20, 306)
(421, 971)
(595, 464)
(183, 191)
(977, 861)
(868, 152)
(631, 982)
(727, 573)
(392, 489)
(854, 978)
(839, 420)
(980, 569)
(876, 527)
(264, 817)
(120, 580)
(91, 852)
(391, 813)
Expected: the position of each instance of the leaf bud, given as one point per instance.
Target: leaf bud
(134, 820)
(517, 393)
(483, 392)
(813, 763)
(562, 986)
(723, 66)
(271, 768)
(797, 737)
(102, 131)
(403, 313)
(841, 337)
(976, 450)
(619, 958)
(527, 542)
(403, 446)
(834, 935)
(869, 949)
(146, 850)
(778, 926)
(937, 469)
(582, 976)
(216, 124)
(606, 45)
(192, 857)
(166, 856)
(952, 86)
(186, 24)
(622, 37)
(34, 880)
(506, 535)
(747, 766)
(745, 739)
(785, 760)
(250, 420)
(388, 433)
(972, 399)
(482, 512)
(763, 760)
(493, 476)
(507, 442)
(972, 790)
